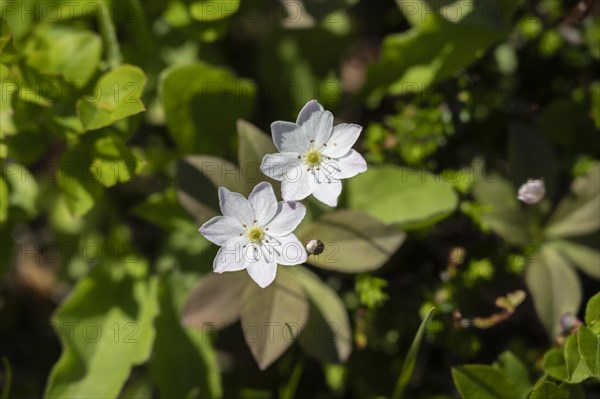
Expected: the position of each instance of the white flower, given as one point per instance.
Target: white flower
(313, 155)
(255, 233)
(532, 192)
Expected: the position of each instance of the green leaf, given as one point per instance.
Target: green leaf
(202, 104)
(578, 213)
(23, 190)
(198, 179)
(554, 286)
(555, 364)
(516, 372)
(354, 241)
(105, 318)
(183, 359)
(576, 368)
(70, 52)
(401, 196)
(503, 214)
(254, 144)
(211, 10)
(113, 161)
(216, 301)
(482, 382)
(408, 367)
(549, 390)
(588, 344)
(437, 47)
(582, 256)
(162, 209)
(592, 311)
(327, 336)
(116, 96)
(78, 185)
(273, 317)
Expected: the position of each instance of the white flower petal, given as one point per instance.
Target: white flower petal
(282, 166)
(235, 205)
(263, 201)
(318, 128)
(309, 108)
(343, 138)
(289, 251)
(221, 229)
(327, 191)
(532, 192)
(347, 166)
(230, 257)
(289, 137)
(298, 188)
(288, 217)
(262, 271)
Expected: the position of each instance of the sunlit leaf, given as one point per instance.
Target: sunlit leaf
(592, 312)
(401, 196)
(549, 390)
(211, 10)
(162, 209)
(577, 370)
(116, 96)
(555, 364)
(588, 344)
(202, 104)
(354, 241)
(105, 318)
(516, 372)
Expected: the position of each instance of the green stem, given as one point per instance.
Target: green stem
(109, 34)
(289, 390)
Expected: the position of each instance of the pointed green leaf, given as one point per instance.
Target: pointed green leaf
(555, 364)
(401, 196)
(554, 286)
(354, 241)
(483, 382)
(576, 368)
(105, 318)
(116, 95)
(578, 213)
(408, 367)
(327, 335)
(213, 10)
(592, 312)
(582, 256)
(78, 185)
(273, 317)
(162, 209)
(516, 372)
(549, 390)
(202, 104)
(588, 344)
(113, 161)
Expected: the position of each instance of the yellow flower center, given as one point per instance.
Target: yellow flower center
(313, 158)
(256, 234)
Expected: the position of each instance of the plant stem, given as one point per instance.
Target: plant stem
(109, 34)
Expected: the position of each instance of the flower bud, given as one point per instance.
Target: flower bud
(315, 247)
(532, 192)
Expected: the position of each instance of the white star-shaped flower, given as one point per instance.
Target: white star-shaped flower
(255, 233)
(313, 155)
(532, 192)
